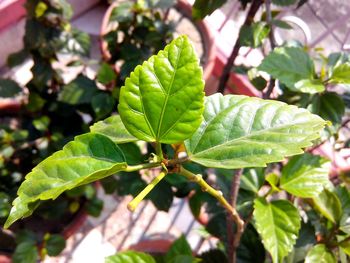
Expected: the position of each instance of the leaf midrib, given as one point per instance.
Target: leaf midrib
(249, 135)
(167, 95)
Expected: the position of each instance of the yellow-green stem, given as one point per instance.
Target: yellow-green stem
(219, 196)
(135, 202)
(132, 168)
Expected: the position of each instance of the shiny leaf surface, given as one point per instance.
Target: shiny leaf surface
(240, 131)
(320, 254)
(162, 100)
(130, 257)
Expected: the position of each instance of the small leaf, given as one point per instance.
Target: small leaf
(162, 196)
(310, 86)
(17, 58)
(305, 175)
(179, 247)
(239, 132)
(202, 8)
(162, 100)
(105, 74)
(114, 129)
(320, 254)
(281, 24)
(122, 12)
(26, 252)
(253, 35)
(9, 88)
(289, 65)
(102, 104)
(86, 159)
(341, 74)
(328, 204)
(252, 179)
(130, 257)
(79, 91)
(94, 207)
(76, 42)
(42, 123)
(55, 244)
(273, 179)
(278, 223)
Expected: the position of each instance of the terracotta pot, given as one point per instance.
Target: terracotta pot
(186, 9)
(9, 106)
(5, 258)
(152, 246)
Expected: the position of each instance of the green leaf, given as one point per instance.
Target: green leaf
(9, 88)
(5, 206)
(162, 100)
(102, 104)
(86, 159)
(305, 175)
(278, 223)
(341, 74)
(26, 252)
(17, 58)
(329, 105)
(281, 24)
(253, 35)
(202, 8)
(252, 179)
(162, 196)
(122, 12)
(213, 256)
(311, 86)
(284, 2)
(75, 42)
(79, 91)
(55, 244)
(114, 129)
(289, 65)
(273, 180)
(179, 247)
(42, 123)
(320, 254)
(328, 204)
(240, 131)
(106, 74)
(94, 207)
(130, 257)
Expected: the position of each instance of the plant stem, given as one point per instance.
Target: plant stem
(135, 202)
(227, 69)
(133, 168)
(159, 150)
(219, 196)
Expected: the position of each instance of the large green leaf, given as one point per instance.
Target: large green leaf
(114, 129)
(130, 257)
(202, 8)
(320, 254)
(341, 74)
(240, 131)
(162, 100)
(278, 223)
(86, 159)
(289, 65)
(329, 205)
(305, 175)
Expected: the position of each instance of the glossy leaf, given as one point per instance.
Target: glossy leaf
(289, 65)
(9, 88)
(202, 8)
(86, 159)
(240, 131)
(252, 179)
(26, 252)
(341, 74)
(311, 86)
(114, 129)
(328, 204)
(162, 100)
(320, 254)
(179, 247)
(278, 224)
(130, 257)
(305, 175)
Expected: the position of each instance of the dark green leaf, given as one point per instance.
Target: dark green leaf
(35, 102)
(305, 175)
(214, 256)
(163, 99)
(240, 131)
(55, 244)
(130, 257)
(106, 74)
(252, 179)
(253, 35)
(281, 24)
(17, 58)
(9, 88)
(25, 252)
(162, 196)
(202, 8)
(86, 159)
(79, 91)
(5, 205)
(284, 2)
(278, 223)
(76, 42)
(94, 207)
(289, 65)
(102, 104)
(122, 12)
(114, 129)
(328, 204)
(320, 254)
(179, 247)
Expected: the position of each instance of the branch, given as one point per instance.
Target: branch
(219, 196)
(227, 69)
